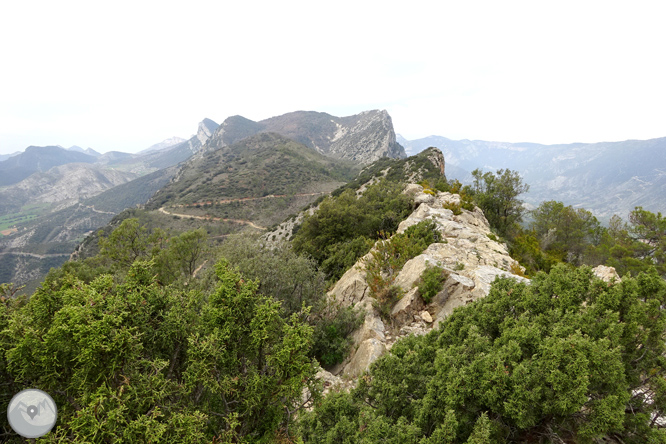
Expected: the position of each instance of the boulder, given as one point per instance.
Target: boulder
(485, 275)
(606, 274)
(368, 352)
(457, 291)
(413, 189)
(454, 286)
(412, 270)
(372, 327)
(424, 198)
(410, 304)
(351, 288)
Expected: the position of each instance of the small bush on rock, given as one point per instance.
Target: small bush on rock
(431, 282)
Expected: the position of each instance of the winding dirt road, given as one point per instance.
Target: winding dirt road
(246, 199)
(190, 216)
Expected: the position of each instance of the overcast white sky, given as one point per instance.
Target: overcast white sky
(124, 75)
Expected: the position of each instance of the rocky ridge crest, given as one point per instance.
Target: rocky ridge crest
(467, 253)
(472, 261)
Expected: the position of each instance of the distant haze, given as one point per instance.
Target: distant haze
(124, 76)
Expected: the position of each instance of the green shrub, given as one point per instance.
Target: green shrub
(389, 256)
(344, 227)
(453, 207)
(431, 282)
(332, 336)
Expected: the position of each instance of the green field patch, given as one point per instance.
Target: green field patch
(27, 214)
(15, 219)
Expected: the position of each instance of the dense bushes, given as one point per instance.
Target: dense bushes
(295, 282)
(344, 227)
(139, 362)
(566, 359)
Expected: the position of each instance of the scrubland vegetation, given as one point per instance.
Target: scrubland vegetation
(165, 336)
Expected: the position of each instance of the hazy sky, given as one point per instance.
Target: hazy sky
(125, 75)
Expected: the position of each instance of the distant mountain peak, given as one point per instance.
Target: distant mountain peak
(78, 149)
(166, 143)
(38, 158)
(206, 129)
(364, 137)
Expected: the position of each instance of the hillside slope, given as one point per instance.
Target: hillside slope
(38, 158)
(61, 185)
(257, 166)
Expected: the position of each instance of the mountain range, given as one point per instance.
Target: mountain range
(244, 173)
(606, 178)
(38, 159)
(281, 164)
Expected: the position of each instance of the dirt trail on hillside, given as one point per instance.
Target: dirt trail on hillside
(92, 207)
(39, 256)
(190, 216)
(245, 199)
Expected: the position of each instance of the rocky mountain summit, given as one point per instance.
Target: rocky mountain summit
(363, 137)
(163, 145)
(470, 258)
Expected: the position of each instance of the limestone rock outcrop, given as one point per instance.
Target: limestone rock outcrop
(606, 274)
(466, 252)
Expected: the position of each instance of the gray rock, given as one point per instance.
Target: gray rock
(606, 274)
(372, 327)
(368, 352)
(485, 275)
(424, 198)
(352, 287)
(409, 305)
(412, 270)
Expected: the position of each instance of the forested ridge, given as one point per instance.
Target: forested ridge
(167, 337)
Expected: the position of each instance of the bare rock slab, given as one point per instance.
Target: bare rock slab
(409, 305)
(368, 352)
(606, 274)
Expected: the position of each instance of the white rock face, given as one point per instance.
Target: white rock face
(368, 352)
(607, 274)
(367, 137)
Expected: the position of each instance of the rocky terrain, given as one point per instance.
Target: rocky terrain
(152, 160)
(469, 256)
(163, 145)
(363, 137)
